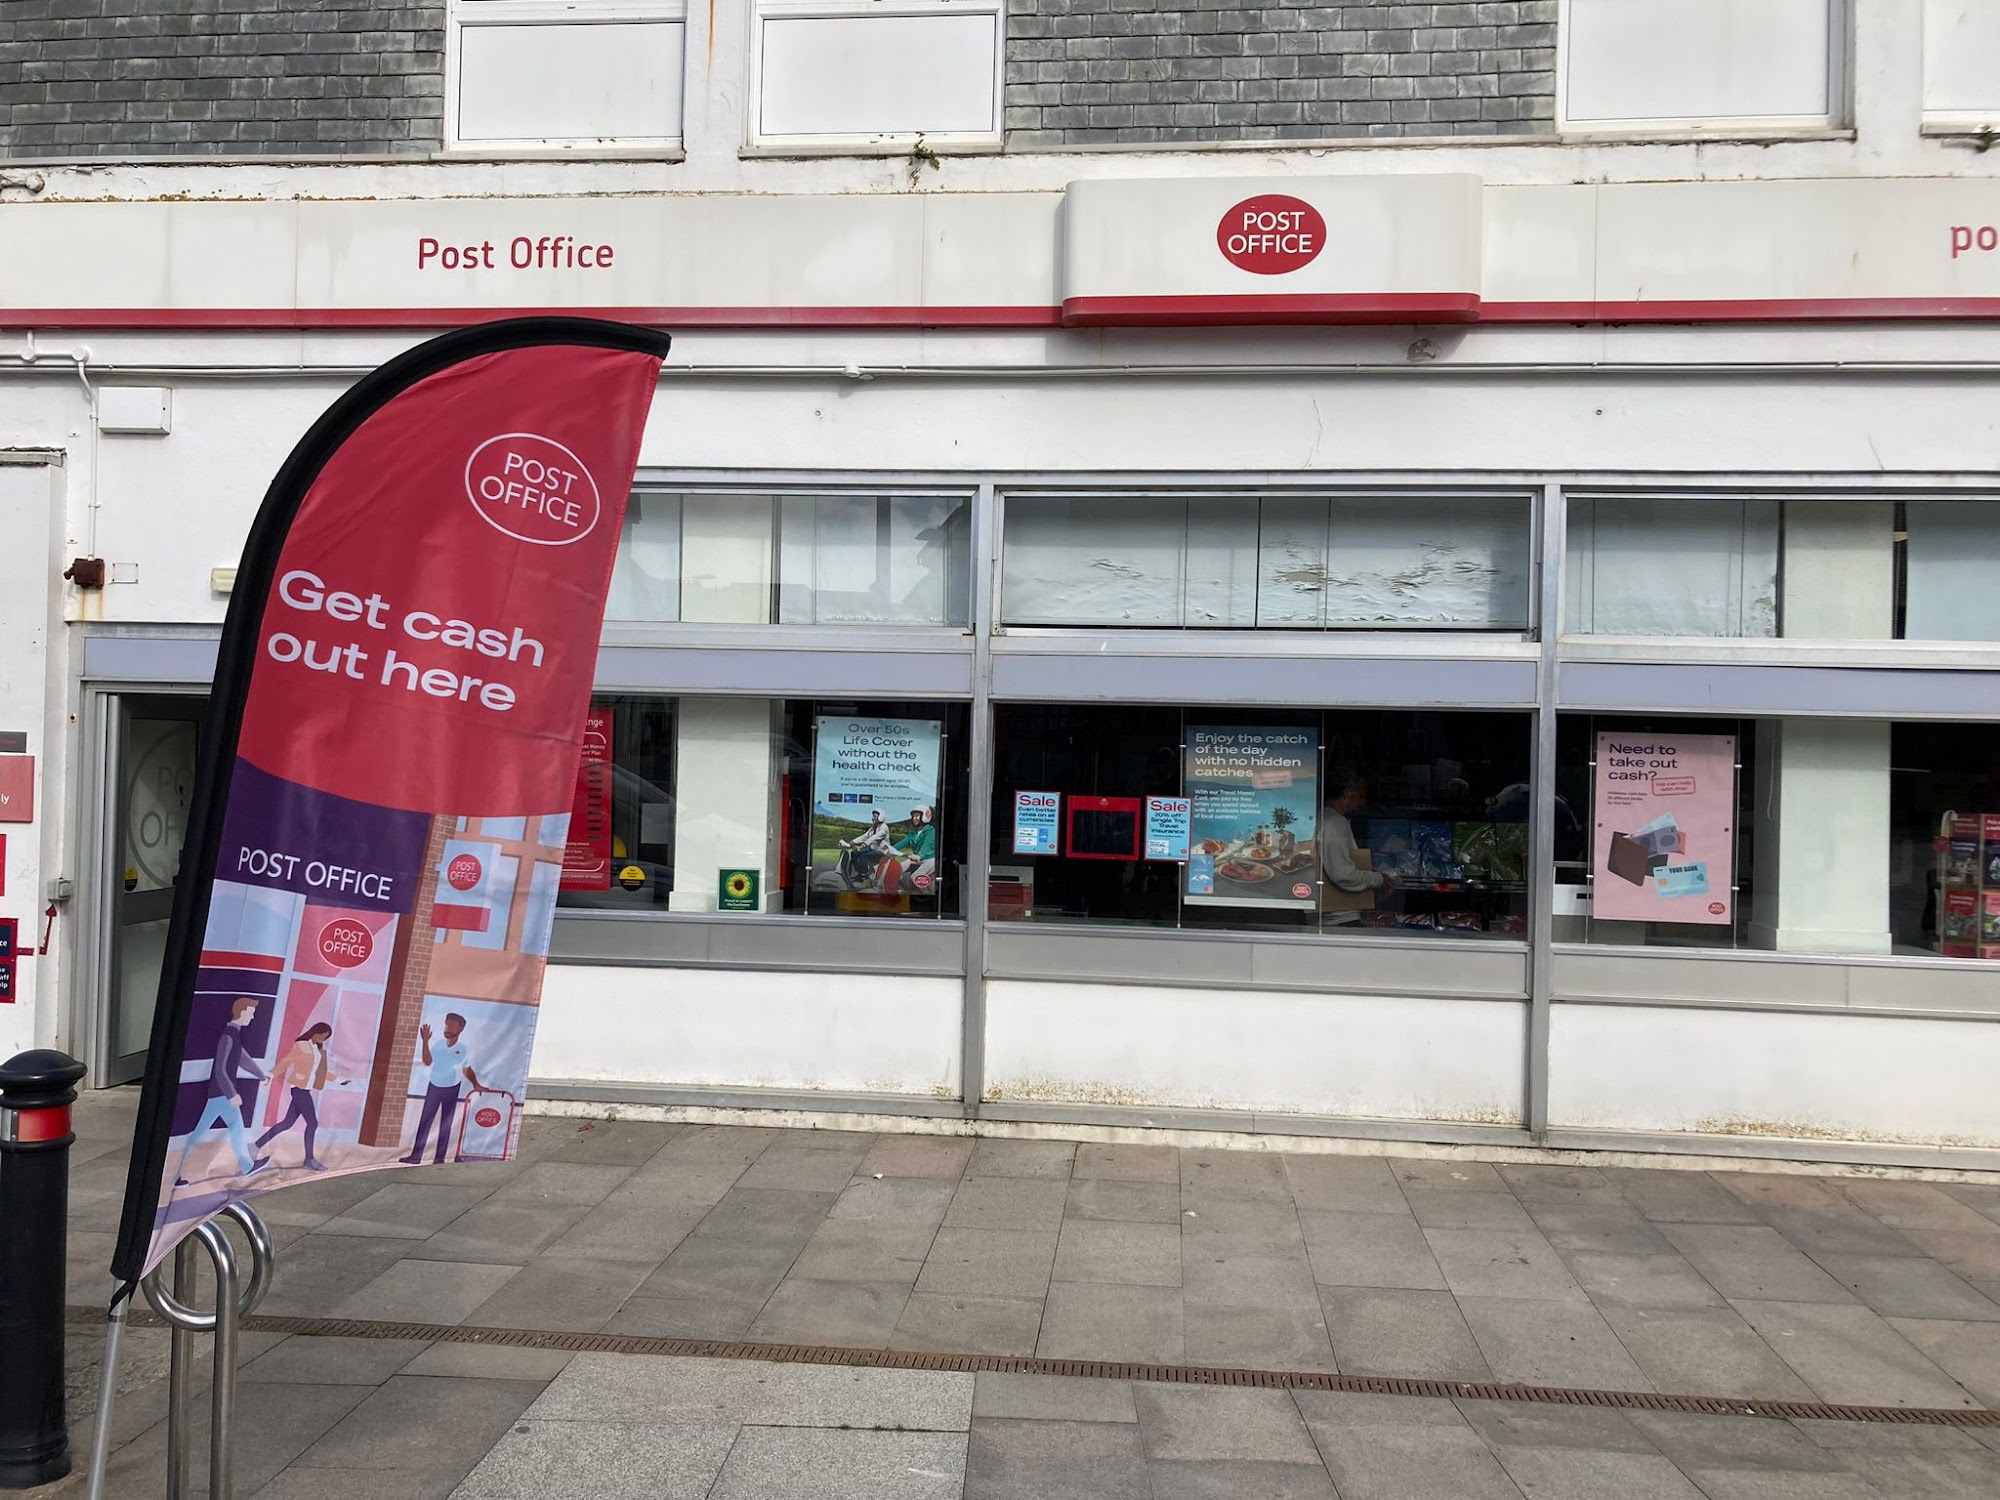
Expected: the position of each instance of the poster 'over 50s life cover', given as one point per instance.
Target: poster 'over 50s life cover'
(382, 808)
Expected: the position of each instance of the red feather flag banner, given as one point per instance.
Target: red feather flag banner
(382, 801)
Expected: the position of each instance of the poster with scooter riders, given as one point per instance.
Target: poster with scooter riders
(874, 804)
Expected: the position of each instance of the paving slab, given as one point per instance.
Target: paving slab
(1373, 1250)
(957, 1323)
(865, 1250)
(1974, 1254)
(317, 1275)
(1913, 1205)
(1112, 1321)
(345, 1484)
(1210, 1422)
(1522, 1424)
(916, 1156)
(570, 1182)
(404, 1211)
(990, 1262)
(1117, 1198)
(544, 1460)
(1500, 1263)
(1010, 1459)
(332, 1361)
(1410, 1462)
(1395, 1331)
(1704, 1351)
(511, 1233)
(801, 1169)
(1433, 1172)
(1262, 1335)
(1753, 1262)
(770, 1215)
(624, 1143)
(919, 1202)
(845, 1314)
(1584, 1474)
(1850, 1355)
(490, 1362)
(621, 1229)
(1533, 1183)
(1127, 1163)
(1678, 1197)
(807, 1463)
(1968, 1352)
(1438, 1208)
(426, 1291)
(1605, 1228)
(1240, 1479)
(1644, 1280)
(1544, 1341)
(1906, 1286)
(732, 1270)
(659, 1389)
(419, 1422)
(1259, 1174)
(1008, 1203)
(570, 1295)
(1344, 1184)
(1692, 1441)
(1841, 1229)
(686, 1317)
(1931, 1475)
(998, 1157)
(1057, 1398)
(1113, 1250)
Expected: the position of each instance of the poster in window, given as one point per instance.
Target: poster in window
(1253, 798)
(874, 803)
(587, 852)
(1665, 838)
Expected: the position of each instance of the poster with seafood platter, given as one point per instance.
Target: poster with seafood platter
(1255, 796)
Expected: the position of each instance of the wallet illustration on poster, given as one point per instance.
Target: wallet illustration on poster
(1665, 828)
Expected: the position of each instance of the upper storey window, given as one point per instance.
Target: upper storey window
(565, 74)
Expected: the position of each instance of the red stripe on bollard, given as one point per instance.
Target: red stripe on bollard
(42, 1124)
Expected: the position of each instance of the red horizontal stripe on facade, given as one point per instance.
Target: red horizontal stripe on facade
(269, 963)
(1131, 312)
(1270, 308)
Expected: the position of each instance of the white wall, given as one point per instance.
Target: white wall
(1859, 1078)
(715, 1028)
(1354, 1056)
(28, 494)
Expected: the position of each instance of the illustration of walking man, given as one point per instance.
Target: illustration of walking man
(225, 1097)
(446, 1061)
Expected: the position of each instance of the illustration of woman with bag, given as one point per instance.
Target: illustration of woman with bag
(305, 1067)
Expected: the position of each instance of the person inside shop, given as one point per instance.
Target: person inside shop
(919, 846)
(1337, 846)
(868, 848)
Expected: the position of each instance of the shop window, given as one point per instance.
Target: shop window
(564, 73)
(752, 805)
(875, 73)
(1337, 820)
(1961, 65)
(793, 558)
(1687, 64)
(1861, 568)
(1271, 561)
(1817, 836)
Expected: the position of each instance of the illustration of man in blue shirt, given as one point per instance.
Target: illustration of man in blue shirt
(447, 1064)
(225, 1096)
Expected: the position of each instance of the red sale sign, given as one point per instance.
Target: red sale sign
(382, 816)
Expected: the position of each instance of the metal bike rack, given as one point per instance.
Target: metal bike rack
(234, 1300)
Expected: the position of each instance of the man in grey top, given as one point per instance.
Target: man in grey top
(1337, 846)
(225, 1098)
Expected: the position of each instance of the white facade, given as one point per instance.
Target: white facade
(1815, 317)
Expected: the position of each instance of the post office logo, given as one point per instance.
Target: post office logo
(532, 488)
(1271, 234)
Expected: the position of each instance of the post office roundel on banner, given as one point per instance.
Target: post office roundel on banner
(1271, 234)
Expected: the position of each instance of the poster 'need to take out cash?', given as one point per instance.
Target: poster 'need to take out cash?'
(1663, 849)
(1253, 813)
(382, 809)
(874, 805)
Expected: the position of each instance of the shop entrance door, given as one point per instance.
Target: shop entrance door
(157, 739)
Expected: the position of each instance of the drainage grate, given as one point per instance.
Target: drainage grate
(1101, 1369)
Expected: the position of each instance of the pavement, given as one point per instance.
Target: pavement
(1860, 1289)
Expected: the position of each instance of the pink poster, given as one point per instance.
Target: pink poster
(1665, 839)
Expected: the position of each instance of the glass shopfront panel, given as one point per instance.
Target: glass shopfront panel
(1758, 568)
(814, 806)
(1286, 561)
(1810, 836)
(793, 558)
(1291, 820)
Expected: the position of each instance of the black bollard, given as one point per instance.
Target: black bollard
(36, 1091)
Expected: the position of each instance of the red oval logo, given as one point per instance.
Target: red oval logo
(463, 873)
(1271, 234)
(486, 1117)
(1302, 890)
(532, 488)
(1716, 908)
(346, 945)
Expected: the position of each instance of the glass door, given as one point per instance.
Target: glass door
(157, 739)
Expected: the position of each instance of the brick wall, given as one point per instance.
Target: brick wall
(219, 77)
(1096, 72)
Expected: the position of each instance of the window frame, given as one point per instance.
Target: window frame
(757, 143)
(1949, 122)
(1836, 121)
(464, 15)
